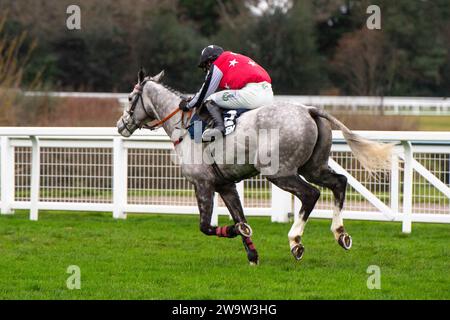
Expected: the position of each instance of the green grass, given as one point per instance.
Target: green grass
(80, 192)
(434, 123)
(166, 257)
(419, 190)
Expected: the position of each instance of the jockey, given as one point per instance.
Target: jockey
(232, 81)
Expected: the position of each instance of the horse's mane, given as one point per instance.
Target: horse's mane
(178, 93)
(169, 88)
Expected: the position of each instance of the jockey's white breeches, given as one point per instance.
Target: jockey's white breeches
(253, 95)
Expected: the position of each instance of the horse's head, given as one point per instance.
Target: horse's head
(140, 109)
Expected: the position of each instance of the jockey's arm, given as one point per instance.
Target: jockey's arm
(210, 86)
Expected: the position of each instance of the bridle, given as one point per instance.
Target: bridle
(158, 122)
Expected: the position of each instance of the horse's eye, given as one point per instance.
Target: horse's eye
(129, 99)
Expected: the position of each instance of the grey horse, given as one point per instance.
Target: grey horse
(302, 150)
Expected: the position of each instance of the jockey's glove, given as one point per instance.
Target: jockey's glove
(184, 105)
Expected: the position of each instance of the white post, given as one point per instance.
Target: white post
(296, 209)
(281, 204)
(35, 177)
(120, 165)
(407, 187)
(215, 215)
(394, 184)
(240, 191)
(7, 175)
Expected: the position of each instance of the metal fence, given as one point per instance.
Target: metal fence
(94, 169)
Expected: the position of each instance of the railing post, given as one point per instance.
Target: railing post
(281, 204)
(120, 168)
(407, 187)
(296, 208)
(241, 193)
(215, 214)
(394, 196)
(7, 175)
(35, 178)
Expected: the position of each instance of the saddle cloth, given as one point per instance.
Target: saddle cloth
(229, 118)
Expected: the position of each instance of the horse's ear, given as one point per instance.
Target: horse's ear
(158, 77)
(141, 75)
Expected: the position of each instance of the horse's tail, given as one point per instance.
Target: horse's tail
(372, 155)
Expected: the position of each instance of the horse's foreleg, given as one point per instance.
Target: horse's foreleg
(205, 200)
(230, 197)
(308, 195)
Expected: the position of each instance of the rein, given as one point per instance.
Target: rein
(155, 124)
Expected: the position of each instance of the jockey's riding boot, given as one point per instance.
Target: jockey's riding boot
(218, 128)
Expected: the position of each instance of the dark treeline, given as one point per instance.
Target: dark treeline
(309, 47)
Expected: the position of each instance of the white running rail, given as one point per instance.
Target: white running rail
(435, 106)
(94, 169)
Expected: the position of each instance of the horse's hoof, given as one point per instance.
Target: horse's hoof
(254, 261)
(253, 257)
(297, 251)
(345, 241)
(244, 229)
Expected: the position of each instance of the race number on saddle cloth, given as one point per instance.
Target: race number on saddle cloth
(235, 81)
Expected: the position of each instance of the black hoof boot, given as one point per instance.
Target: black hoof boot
(252, 254)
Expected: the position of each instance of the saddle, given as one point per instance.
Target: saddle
(229, 118)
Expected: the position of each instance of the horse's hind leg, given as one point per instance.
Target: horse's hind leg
(316, 171)
(230, 197)
(337, 183)
(308, 195)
